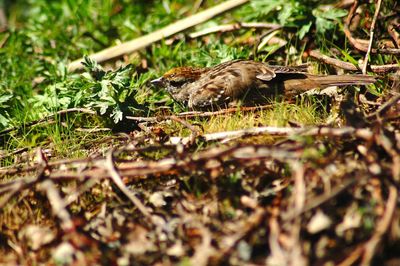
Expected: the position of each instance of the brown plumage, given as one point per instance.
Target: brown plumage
(246, 80)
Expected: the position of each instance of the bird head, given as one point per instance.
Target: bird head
(177, 78)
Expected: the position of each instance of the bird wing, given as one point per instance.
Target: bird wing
(289, 69)
(210, 93)
(229, 82)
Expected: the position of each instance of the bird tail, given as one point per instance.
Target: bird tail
(343, 80)
(300, 84)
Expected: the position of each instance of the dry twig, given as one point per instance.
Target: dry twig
(194, 131)
(385, 107)
(57, 205)
(362, 45)
(295, 251)
(113, 172)
(363, 133)
(56, 201)
(381, 227)
(232, 27)
(393, 33)
(371, 39)
(380, 69)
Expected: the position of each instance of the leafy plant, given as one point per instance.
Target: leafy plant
(300, 14)
(327, 19)
(111, 93)
(5, 102)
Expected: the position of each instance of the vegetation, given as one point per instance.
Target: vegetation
(66, 137)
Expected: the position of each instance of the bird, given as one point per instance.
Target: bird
(247, 80)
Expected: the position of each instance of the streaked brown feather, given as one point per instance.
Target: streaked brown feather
(232, 80)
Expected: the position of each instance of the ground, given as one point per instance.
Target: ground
(98, 167)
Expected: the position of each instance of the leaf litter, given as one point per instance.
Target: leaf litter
(318, 195)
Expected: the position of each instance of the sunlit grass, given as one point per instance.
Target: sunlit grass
(59, 138)
(281, 114)
(35, 47)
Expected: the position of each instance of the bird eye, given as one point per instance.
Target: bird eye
(177, 83)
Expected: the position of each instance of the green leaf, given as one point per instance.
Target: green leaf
(4, 121)
(304, 30)
(334, 13)
(5, 98)
(117, 115)
(327, 19)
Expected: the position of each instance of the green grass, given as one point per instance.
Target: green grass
(45, 35)
(279, 115)
(305, 112)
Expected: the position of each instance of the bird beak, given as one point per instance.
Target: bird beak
(158, 82)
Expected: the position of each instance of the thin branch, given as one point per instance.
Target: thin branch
(284, 131)
(4, 39)
(277, 254)
(353, 257)
(70, 198)
(385, 107)
(295, 256)
(381, 227)
(56, 201)
(13, 188)
(299, 192)
(351, 12)
(165, 165)
(393, 33)
(359, 44)
(317, 201)
(379, 69)
(205, 249)
(333, 61)
(112, 170)
(14, 152)
(385, 68)
(78, 163)
(371, 38)
(232, 27)
(58, 205)
(363, 48)
(253, 221)
(194, 131)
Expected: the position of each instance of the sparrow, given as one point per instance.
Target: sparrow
(246, 80)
